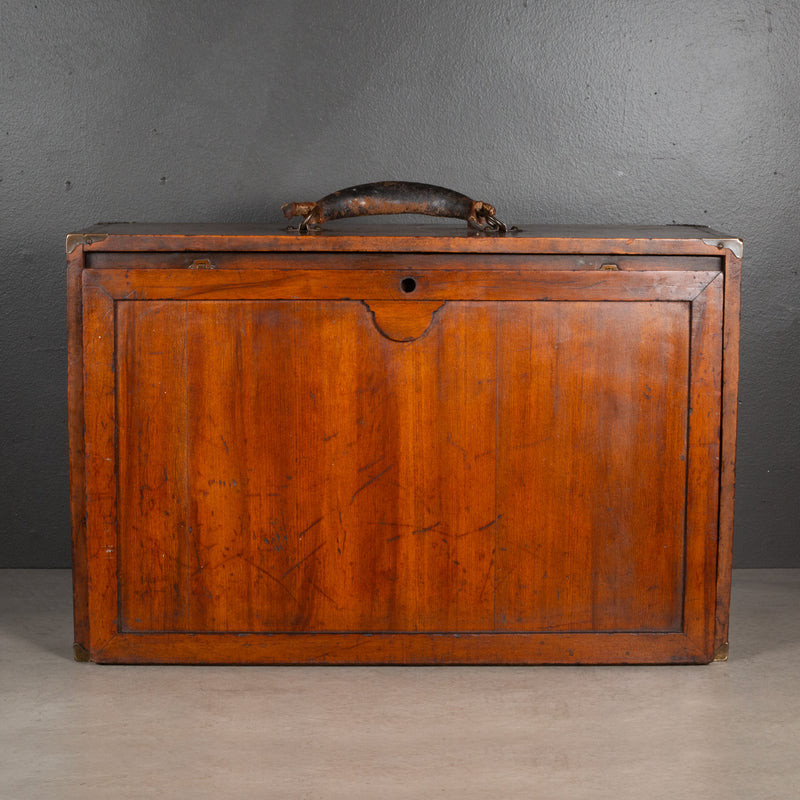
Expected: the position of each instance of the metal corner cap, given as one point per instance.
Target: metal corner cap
(736, 246)
(76, 239)
(721, 653)
(79, 652)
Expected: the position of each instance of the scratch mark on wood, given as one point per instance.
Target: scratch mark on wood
(371, 480)
(292, 569)
(306, 530)
(196, 547)
(393, 524)
(344, 531)
(392, 538)
(324, 594)
(271, 576)
(371, 464)
(222, 563)
(457, 446)
(486, 579)
(425, 530)
(482, 528)
(489, 524)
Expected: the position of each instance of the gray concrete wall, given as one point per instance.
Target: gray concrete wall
(597, 111)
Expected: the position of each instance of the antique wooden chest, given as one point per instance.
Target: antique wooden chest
(402, 444)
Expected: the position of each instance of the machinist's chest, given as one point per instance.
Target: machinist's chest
(402, 445)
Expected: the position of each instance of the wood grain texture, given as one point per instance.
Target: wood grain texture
(152, 423)
(702, 489)
(593, 411)
(77, 456)
(99, 395)
(730, 408)
(361, 238)
(431, 284)
(289, 462)
(402, 648)
(320, 501)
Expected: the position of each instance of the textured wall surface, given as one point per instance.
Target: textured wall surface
(556, 111)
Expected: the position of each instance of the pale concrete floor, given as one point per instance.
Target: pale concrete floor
(727, 730)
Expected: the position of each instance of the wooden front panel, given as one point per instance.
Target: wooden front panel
(591, 466)
(284, 466)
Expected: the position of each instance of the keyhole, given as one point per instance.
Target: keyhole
(408, 285)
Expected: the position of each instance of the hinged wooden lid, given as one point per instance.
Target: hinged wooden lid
(358, 236)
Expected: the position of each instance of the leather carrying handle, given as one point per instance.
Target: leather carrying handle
(395, 197)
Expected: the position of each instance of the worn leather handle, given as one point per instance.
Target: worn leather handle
(395, 197)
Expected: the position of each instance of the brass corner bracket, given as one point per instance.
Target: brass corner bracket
(76, 239)
(79, 652)
(721, 653)
(736, 246)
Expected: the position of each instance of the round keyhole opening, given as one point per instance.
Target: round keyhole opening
(408, 285)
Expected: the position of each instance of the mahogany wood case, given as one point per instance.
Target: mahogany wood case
(398, 444)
